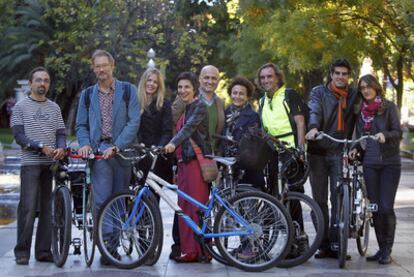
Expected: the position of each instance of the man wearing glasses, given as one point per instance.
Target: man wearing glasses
(107, 121)
(39, 129)
(331, 111)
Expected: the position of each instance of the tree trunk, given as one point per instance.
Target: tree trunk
(311, 79)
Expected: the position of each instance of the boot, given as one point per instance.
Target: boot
(389, 228)
(379, 227)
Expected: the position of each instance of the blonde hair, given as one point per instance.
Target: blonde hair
(142, 95)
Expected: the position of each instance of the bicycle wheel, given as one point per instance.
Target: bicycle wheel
(128, 247)
(343, 224)
(61, 224)
(89, 217)
(225, 193)
(308, 224)
(153, 259)
(270, 240)
(362, 236)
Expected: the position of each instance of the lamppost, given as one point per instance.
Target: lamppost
(151, 55)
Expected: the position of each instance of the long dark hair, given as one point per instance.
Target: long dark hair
(372, 82)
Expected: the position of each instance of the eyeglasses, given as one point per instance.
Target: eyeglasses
(103, 66)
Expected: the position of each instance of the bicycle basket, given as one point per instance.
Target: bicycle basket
(254, 152)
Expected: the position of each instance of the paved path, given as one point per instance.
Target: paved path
(402, 266)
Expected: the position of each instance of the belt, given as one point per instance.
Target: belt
(106, 140)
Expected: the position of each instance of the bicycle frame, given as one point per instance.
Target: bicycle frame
(154, 182)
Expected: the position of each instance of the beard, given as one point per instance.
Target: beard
(41, 90)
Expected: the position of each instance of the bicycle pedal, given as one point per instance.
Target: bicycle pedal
(372, 207)
(335, 246)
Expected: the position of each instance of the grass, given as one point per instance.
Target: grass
(6, 136)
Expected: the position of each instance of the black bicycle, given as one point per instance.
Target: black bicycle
(353, 209)
(82, 215)
(306, 214)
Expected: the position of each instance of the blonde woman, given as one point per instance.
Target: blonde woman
(156, 119)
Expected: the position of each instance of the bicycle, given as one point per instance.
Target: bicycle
(353, 209)
(134, 224)
(63, 216)
(306, 214)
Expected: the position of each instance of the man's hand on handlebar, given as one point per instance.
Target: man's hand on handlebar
(311, 135)
(85, 151)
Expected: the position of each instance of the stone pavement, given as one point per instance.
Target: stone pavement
(403, 253)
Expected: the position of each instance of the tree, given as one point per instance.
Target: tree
(303, 37)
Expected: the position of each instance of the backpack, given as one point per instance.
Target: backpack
(287, 104)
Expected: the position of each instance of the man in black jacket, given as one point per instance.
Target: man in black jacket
(330, 111)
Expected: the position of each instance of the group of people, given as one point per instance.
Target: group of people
(114, 114)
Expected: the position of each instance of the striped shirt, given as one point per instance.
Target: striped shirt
(41, 120)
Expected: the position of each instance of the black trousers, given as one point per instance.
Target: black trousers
(382, 183)
(324, 173)
(36, 180)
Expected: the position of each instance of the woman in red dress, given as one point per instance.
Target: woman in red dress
(193, 124)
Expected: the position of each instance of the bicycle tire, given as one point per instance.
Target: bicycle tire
(153, 259)
(211, 246)
(313, 229)
(362, 235)
(272, 235)
(343, 225)
(129, 248)
(61, 225)
(89, 225)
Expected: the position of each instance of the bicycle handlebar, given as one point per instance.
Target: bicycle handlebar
(92, 156)
(154, 150)
(225, 138)
(321, 135)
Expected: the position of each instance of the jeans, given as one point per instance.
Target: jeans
(323, 176)
(108, 177)
(36, 184)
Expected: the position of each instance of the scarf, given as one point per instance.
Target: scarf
(341, 95)
(369, 111)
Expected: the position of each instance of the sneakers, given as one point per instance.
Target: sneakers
(246, 253)
(22, 261)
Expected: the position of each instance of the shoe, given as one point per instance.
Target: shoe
(45, 258)
(187, 258)
(22, 261)
(246, 253)
(105, 261)
(175, 252)
(385, 258)
(326, 253)
(206, 259)
(374, 258)
(303, 244)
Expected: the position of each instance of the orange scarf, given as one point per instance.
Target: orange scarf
(341, 95)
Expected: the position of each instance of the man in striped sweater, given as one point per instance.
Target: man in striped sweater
(39, 129)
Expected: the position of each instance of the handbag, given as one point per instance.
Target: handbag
(209, 169)
(254, 151)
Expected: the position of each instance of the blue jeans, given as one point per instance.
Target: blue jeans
(36, 180)
(108, 177)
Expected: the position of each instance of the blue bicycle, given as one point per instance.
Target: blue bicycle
(252, 230)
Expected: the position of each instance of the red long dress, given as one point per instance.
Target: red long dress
(190, 181)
